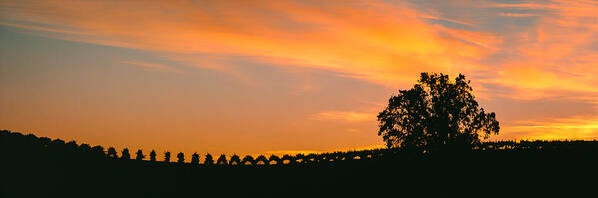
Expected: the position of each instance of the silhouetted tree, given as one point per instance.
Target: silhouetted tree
(44, 141)
(125, 154)
(140, 155)
(300, 158)
(153, 156)
(222, 160)
(70, 146)
(262, 159)
(181, 157)
(435, 113)
(234, 160)
(289, 158)
(208, 160)
(167, 156)
(58, 145)
(195, 158)
(274, 158)
(112, 152)
(310, 158)
(98, 151)
(84, 148)
(249, 159)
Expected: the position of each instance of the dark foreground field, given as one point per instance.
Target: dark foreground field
(32, 168)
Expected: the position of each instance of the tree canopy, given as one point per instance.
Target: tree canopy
(436, 112)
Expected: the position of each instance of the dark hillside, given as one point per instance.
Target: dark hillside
(41, 167)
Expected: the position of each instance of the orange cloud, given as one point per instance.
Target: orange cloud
(555, 56)
(578, 127)
(508, 14)
(376, 41)
(152, 66)
(344, 116)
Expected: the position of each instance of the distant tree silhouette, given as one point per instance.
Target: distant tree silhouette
(57, 145)
(310, 158)
(300, 158)
(319, 158)
(289, 158)
(69, 147)
(98, 151)
(84, 148)
(234, 160)
(209, 160)
(139, 155)
(222, 160)
(112, 152)
(153, 156)
(274, 158)
(262, 159)
(195, 158)
(249, 159)
(181, 157)
(167, 156)
(125, 154)
(435, 113)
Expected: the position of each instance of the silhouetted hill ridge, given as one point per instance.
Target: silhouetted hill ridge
(41, 167)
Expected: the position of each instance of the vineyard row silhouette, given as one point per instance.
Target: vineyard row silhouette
(57, 147)
(42, 167)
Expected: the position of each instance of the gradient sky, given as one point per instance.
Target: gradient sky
(251, 77)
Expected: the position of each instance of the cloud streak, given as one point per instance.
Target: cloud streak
(344, 116)
(152, 66)
(380, 42)
(578, 127)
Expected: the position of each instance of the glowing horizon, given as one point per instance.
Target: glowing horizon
(250, 77)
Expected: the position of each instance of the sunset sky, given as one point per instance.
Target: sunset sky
(266, 77)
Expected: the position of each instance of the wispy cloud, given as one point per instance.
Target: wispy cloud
(577, 127)
(509, 14)
(152, 66)
(553, 56)
(344, 116)
(389, 42)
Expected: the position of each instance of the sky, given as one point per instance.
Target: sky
(273, 77)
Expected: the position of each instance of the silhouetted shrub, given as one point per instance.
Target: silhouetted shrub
(310, 158)
(181, 157)
(262, 159)
(222, 160)
(84, 148)
(44, 141)
(288, 158)
(70, 147)
(98, 151)
(208, 160)
(276, 159)
(300, 158)
(153, 156)
(112, 152)
(125, 154)
(234, 160)
(249, 159)
(167, 156)
(140, 155)
(58, 146)
(195, 158)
